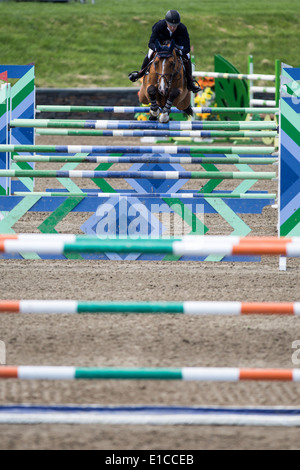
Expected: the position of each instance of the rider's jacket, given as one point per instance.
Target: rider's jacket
(181, 36)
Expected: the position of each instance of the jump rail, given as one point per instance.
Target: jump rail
(167, 175)
(237, 76)
(146, 159)
(142, 196)
(120, 124)
(156, 133)
(188, 308)
(146, 109)
(204, 374)
(149, 415)
(189, 245)
(158, 149)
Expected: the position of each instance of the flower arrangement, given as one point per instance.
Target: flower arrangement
(206, 98)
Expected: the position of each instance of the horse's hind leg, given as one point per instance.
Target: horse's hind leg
(165, 116)
(154, 109)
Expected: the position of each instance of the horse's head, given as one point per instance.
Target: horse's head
(165, 65)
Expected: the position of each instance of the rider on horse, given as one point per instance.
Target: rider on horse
(165, 30)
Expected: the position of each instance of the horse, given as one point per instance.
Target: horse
(164, 83)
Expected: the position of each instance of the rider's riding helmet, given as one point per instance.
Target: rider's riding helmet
(172, 17)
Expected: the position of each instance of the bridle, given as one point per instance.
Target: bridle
(165, 75)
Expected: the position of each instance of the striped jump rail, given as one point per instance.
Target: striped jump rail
(67, 307)
(146, 109)
(256, 102)
(144, 159)
(120, 124)
(150, 415)
(170, 175)
(237, 76)
(156, 133)
(204, 374)
(263, 89)
(158, 149)
(149, 195)
(189, 245)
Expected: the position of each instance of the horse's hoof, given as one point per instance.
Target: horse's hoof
(164, 117)
(152, 118)
(154, 113)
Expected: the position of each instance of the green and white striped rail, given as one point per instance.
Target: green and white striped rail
(157, 133)
(237, 76)
(142, 159)
(157, 149)
(119, 124)
(171, 175)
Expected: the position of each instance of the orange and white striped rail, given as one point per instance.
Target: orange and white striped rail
(215, 374)
(190, 245)
(190, 307)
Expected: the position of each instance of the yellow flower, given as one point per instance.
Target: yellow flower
(142, 117)
(203, 116)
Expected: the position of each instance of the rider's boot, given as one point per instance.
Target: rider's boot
(192, 85)
(134, 76)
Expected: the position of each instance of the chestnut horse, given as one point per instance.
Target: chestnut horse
(164, 83)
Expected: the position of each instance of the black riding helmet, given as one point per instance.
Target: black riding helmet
(172, 17)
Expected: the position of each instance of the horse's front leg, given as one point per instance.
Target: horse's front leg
(154, 108)
(165, 115)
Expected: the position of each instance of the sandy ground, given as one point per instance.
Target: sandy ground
(150, 341)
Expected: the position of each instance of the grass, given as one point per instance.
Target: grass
(97, 45)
